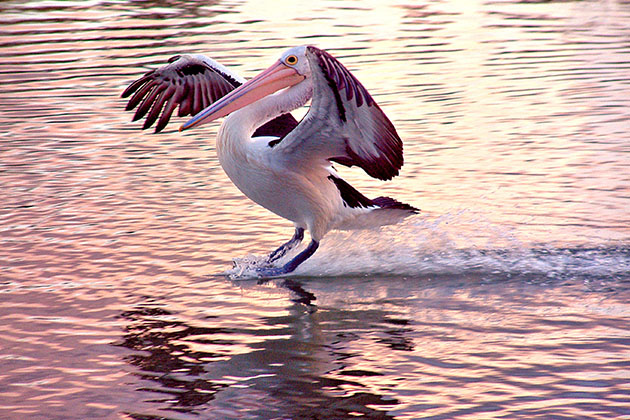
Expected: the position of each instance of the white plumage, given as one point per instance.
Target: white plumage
(284, 166)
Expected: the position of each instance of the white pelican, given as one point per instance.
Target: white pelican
(283, 165)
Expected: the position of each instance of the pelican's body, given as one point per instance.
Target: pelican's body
(302, 194)
(280, 164)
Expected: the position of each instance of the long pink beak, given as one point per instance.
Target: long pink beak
(276, 77)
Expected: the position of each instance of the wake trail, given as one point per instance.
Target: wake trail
(453, 244)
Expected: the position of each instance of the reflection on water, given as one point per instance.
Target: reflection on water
(506, 298)
(159, 353)
(440, 347)
(286, 374)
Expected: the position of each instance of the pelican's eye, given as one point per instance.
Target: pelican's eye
(291, 60)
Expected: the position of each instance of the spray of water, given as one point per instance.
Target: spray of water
(456, 243)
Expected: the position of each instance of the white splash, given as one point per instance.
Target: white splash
(453, 244)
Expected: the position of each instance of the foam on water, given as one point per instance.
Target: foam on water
(449, 245)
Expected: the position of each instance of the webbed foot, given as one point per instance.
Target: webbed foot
(270, 271)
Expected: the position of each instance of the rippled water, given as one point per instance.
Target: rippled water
(506, 298)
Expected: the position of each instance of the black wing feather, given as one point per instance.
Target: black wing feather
(352, 99)
(184, 82)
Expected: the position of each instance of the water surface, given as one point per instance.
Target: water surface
(507, 297)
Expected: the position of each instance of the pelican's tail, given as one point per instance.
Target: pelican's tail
(367, 213)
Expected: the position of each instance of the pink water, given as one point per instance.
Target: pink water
(506, 298)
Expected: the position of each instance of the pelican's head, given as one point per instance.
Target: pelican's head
(289, 70)
(295, 58)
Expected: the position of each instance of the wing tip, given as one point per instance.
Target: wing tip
(183, 83)
(384, 166)
(352, 198)
(393, 204)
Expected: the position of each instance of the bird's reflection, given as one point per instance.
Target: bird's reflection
(155, 335)
(296, 366)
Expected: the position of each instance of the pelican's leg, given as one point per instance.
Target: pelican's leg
(280, 252)
(291, 265)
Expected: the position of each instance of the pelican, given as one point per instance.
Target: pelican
(283, 165)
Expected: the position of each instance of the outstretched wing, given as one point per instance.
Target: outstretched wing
(344, 124)
(192, 83)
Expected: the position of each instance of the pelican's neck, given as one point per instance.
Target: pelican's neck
(244, 122)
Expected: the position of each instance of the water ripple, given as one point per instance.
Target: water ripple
(506, 298)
